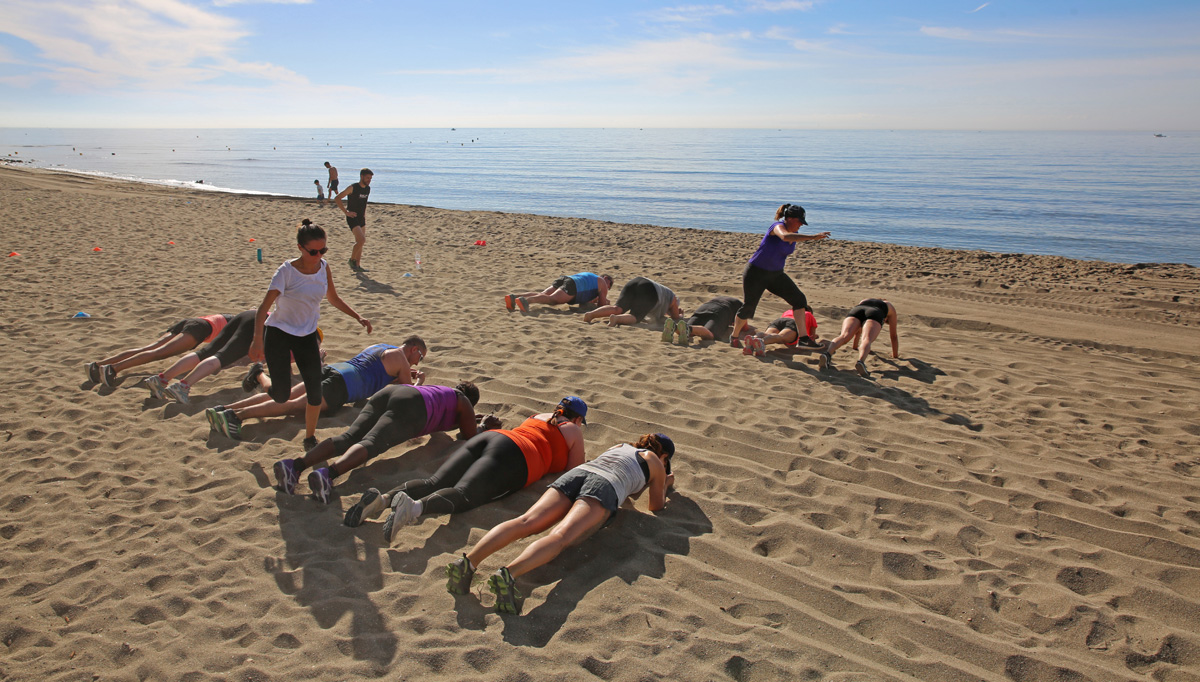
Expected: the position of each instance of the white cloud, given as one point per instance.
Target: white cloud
(685, 14)
(227, 3)
(979, 8)
(781, 5)
(949, 32)
(100, 44)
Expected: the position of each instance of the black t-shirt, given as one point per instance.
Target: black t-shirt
(356, 200)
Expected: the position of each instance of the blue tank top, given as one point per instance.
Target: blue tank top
(364, 374)
(586, 286)
(772, 252)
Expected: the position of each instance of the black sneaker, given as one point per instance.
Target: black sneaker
(250, 381)
(108, 375)
(458, 576)
(310, 443)
(369, 506)
(93, 372)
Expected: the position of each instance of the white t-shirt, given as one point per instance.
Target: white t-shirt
(298, 308)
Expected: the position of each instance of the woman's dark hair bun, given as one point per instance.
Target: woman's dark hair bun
(306, 221)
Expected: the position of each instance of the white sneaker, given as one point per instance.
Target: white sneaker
(155, 385)
(177, 391)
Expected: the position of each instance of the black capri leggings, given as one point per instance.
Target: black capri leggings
(391, 416)
(483, 469)
(755, 281)
(279, 347)
(233, 343)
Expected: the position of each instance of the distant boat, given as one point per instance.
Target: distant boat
(1159, 135)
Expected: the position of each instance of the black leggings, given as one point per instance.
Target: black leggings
(755, 281)
(233, 343)
(391, 416)
(870, 309)
(279, 347)
(483, 469)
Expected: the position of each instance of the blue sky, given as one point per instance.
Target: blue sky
(938, 64)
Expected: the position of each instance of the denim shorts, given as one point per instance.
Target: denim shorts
(576, 484)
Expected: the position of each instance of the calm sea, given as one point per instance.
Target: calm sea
(1116, 196)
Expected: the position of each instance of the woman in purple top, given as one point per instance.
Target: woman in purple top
(393, 415)
(765, 272)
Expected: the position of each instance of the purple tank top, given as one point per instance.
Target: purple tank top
(441, 408)
(772, 252)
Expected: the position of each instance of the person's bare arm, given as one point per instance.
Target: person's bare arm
(602, 287)
(338, 200)
(466, 417)
(658, 480)
(574, 436)
(892, 331)
(260, 319)
(796, 236)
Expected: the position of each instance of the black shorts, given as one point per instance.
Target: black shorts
(233, 343)
(787, 323)
(566, 284)
(333, 188)
(357, 221)
(873, 309)
(194, 327)
(577, 483)
(638, 297)
(333, 388)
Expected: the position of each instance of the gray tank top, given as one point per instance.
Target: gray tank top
(619, 466)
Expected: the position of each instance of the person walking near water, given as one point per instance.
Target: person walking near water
(356, 214)
(333, 180)
(765, 272)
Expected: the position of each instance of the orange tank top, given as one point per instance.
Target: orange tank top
(217, 322)
(543, 445)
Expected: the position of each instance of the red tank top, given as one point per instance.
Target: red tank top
(217, 322)
(543, 445)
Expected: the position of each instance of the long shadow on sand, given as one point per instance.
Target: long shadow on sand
(373, 286)
(323, 570)
(917, 369)
(634, 546)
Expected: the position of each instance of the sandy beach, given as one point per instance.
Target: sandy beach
(1017, 497)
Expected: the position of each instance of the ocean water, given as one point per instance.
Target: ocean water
(1126, 197)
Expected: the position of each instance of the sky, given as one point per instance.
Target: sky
(802, 64)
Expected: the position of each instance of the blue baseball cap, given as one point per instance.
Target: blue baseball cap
(575, 404)
(668, 445)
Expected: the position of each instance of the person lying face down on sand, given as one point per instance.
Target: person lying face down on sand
(290, 333)
(393, 415)
(785, 332)
(640, 298)
(180, 337)
(227, 349)
(341, 382)
(765, 272)
(582, 288)
(577, 504)
(710, 322)
(866, 317)
(490, 466)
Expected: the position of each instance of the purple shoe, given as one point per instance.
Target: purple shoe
(321, 484)
(285, 475)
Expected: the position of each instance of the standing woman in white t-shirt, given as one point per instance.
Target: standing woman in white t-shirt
(296, 291)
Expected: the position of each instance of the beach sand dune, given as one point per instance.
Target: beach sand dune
(1017, 497)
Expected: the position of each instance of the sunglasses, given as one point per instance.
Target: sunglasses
(316, 252)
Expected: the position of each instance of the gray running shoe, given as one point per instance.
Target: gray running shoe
(823, 361)
(369, 506)
(321, 484)
(458, 576)
(178, 392)
(93, 371)
(108, 375)
(402, 515)
(155, 385)
(508, 598)
(285, 475)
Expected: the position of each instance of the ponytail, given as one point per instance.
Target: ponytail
(779, 213)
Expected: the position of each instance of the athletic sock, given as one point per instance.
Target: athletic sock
(417, 507)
